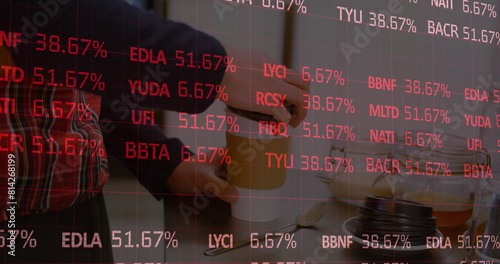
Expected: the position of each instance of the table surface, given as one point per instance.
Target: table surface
(194, 218)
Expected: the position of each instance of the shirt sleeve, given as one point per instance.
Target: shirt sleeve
(142, 50)
(149, 62)
(127, 142)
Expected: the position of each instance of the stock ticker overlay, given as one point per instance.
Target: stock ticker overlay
(395, 162)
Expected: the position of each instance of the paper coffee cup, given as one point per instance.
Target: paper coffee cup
(254, 170)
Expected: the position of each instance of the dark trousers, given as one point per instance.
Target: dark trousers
(62, 237)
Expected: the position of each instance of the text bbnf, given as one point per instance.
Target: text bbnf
(10, 39)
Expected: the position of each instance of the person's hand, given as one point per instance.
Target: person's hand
(242, 87)
(201, 178)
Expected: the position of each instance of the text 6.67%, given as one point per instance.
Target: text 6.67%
(273, 240)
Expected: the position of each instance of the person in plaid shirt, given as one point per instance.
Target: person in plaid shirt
(58, 180)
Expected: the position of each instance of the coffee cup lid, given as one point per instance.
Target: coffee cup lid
(398, 206)
(394, 217)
